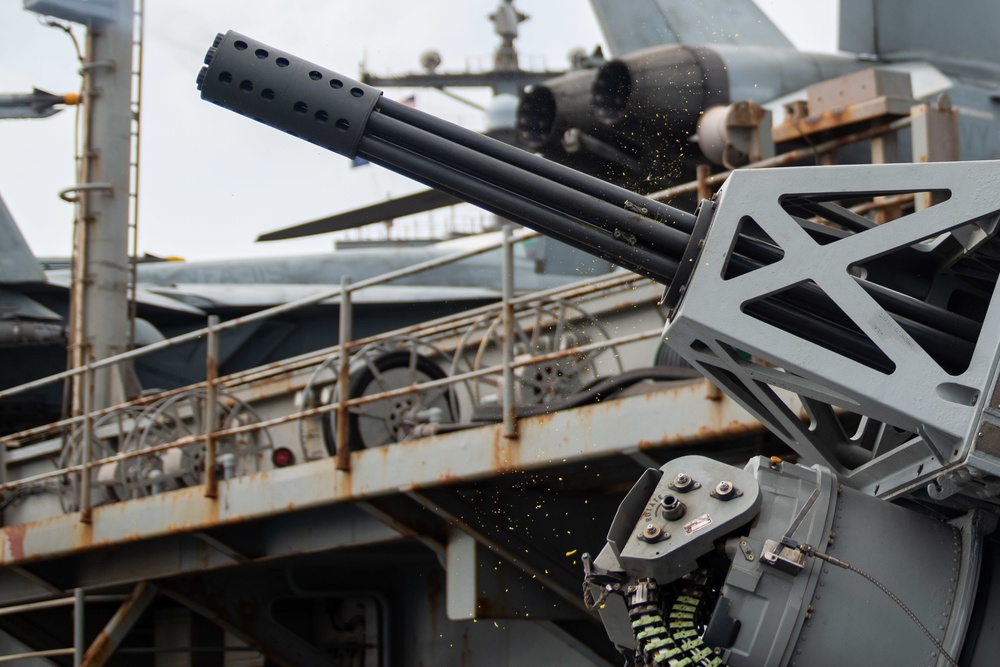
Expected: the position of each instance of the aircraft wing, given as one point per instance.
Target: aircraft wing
(210, 296)
(17, 263)
(640, 24)
(144, 297)
(959, 35)
(419, 202)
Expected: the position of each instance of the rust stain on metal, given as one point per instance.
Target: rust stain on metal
(705, 432)
(15, 537)
(449, 478)
(208, 519)
(875, 109)
(186, 510)
(506, 454)
(100, 650)
(543, 419)
(15, 541)
(16, 547)
(85, 536)
(733, 427)
(344, 483)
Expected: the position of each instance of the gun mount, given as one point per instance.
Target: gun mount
(887, 334)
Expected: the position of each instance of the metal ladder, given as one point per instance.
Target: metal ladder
(138, 32)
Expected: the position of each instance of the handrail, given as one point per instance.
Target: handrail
(430, 330)
(262, 315)
(331, 407)
(445, 326)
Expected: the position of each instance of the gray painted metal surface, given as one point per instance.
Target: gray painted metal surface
(104, 212)
(781, 606)
(825, 612)
(679, 521)
(762, 74)
(918, 396)
(565, 437)
(648, 23)
(17, 263)
(895, 30)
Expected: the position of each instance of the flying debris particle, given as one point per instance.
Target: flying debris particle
(570, 553)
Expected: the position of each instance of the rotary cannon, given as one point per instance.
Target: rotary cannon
(887, 335)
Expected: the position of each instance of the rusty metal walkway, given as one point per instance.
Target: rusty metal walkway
(449, 537)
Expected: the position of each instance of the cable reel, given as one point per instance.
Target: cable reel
(395, 364)
(179, 416)
(541, 327)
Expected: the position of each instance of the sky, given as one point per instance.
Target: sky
(212, 181)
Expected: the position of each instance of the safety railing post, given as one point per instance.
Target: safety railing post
(88, 441)
(211, 407)
(507, 284)
(343, 375)
(79, 641)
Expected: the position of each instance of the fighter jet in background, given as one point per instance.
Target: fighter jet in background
(641, 118)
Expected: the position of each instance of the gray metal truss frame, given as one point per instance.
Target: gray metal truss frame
(919, 396)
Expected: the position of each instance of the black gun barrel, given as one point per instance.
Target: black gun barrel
(635, 232)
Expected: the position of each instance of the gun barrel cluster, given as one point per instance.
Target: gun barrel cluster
(635, 232)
